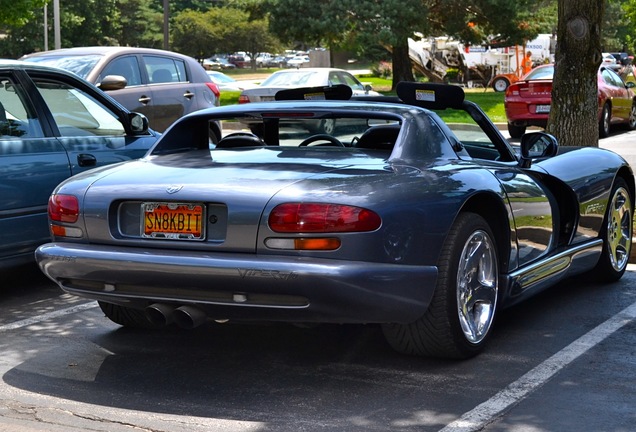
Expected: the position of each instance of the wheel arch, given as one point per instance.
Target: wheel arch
(493, 210)
(626, 174)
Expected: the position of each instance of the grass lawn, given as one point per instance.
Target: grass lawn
(489, 101)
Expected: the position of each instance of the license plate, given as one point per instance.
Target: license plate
(267, 98)
(175, 221)
(543, 108)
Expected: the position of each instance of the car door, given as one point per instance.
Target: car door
(173, 95)
(87, 125)
(32, 163)
(621, 103)
(137, 96)
(532, 206)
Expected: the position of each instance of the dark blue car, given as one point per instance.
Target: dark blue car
(53, 125)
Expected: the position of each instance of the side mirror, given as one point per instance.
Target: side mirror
(630, 84)
(113, 82)
(138, 123)
(537, 145)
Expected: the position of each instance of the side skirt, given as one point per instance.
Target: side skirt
(544, 273)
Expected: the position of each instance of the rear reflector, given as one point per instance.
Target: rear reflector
(319, 243)
(322, 218)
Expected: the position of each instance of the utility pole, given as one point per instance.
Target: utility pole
(46, 29)
(56, 23)
(166, 16)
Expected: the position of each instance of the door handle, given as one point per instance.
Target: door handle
(144, 99)
(86, 160)
(188, 95)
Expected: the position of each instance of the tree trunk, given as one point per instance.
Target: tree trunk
(574, 113)
(402, 70)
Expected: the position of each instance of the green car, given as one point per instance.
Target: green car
(53, 125)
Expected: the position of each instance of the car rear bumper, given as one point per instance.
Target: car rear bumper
(242, 286)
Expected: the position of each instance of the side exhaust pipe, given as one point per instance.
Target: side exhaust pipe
(189, 317)
(160, 314)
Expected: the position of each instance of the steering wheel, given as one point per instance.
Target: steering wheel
(322, 137)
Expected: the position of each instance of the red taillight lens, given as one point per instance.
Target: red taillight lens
(214, 88)
(322, 218)
(63, 208)
(243, 99)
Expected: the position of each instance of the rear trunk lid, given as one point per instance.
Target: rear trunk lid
(231, 189)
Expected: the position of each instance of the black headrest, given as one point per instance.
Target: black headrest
(431, 96)
(335, 92)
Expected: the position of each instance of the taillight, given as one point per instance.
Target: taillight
(63, 208)
(322, 218)
(215, 89)
(243, 99)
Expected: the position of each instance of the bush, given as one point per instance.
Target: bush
(383, 69)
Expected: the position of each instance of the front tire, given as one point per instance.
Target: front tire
(617, 234)
(458, 320)
(631, 123)
(604, 121)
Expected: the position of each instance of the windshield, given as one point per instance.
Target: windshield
(295, 79)
(541, 73)
(79, 65)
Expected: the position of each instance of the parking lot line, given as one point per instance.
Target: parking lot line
(485, 413)
(46, 316)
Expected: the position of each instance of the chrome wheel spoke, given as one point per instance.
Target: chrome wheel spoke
(619, 229)
(477, 286)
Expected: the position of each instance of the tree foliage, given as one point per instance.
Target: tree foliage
(19, 12)
(221, 30)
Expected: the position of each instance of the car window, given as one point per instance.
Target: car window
(165, 69)
(612, 78)
(79, 65)
(299, 79)
(16, 117)
(127, 66)
(76, 112)
(351, 81)
(546, 72)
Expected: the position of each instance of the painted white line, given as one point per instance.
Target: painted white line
(47, 316)
(485, 413)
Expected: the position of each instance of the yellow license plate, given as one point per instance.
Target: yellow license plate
(177, 221)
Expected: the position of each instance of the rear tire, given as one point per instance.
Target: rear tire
(126, 317)
(516, 131)
(617, 234)
(604, 121)
(458, 320)
(500, 84)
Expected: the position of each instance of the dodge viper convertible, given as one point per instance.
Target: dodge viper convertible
(396, 218)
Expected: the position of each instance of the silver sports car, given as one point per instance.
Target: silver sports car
(395, 218)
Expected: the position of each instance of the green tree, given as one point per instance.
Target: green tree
(574, 114)
(141, 24)
(19, 12)
(221, 30)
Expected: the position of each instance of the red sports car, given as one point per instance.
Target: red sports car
(528, 101)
